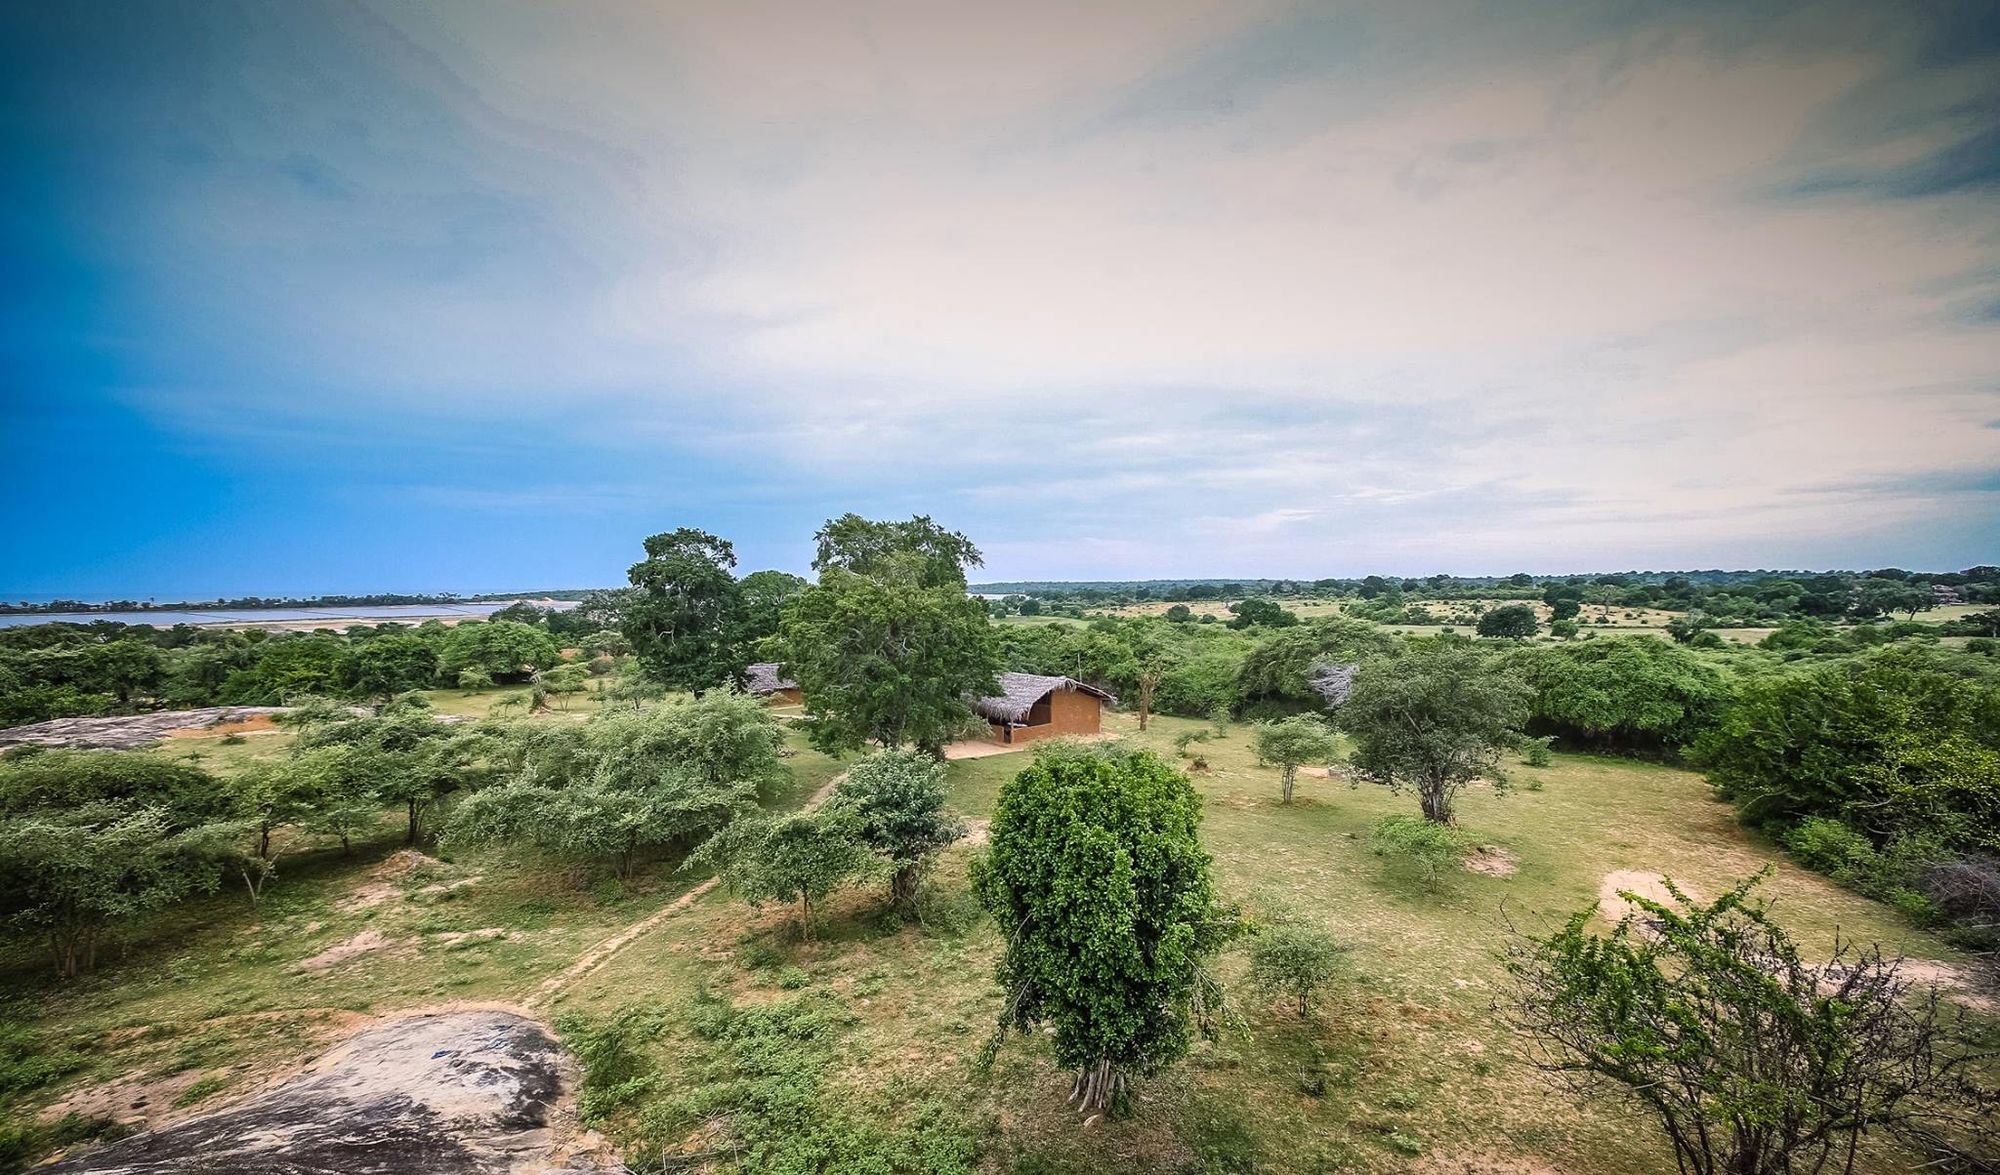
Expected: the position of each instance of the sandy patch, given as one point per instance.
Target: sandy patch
(1652, 886)
(380, 885)
(979, 749)
(251, 724)
(1959, 984)
(1493, 861)
(977, 833)
(367, 942)
(452, 938)
(131, 1101)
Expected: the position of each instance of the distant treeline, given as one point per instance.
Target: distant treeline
(1724, 597)
(250, 603)
(67, 670)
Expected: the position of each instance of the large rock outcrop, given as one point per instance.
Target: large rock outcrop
(455, 1093)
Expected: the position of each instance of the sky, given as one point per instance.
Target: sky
(344, 297)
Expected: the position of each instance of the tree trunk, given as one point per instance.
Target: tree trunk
(264, 842)
(410, 837)
(1147, 684)
(1291, 774)
(903, 886)
(1098, 1089)
(1437, 804)
(805, 917)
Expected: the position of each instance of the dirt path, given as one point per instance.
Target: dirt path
(596, 956)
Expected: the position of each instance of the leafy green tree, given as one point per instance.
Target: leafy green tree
(1295, 961)
(1686, 627)
(1890, 743)
(765, 594)
(270, 796)
(68, 874)
(1752, 1061)
(899, 796)
(686, 617)
(1257, 611)
(1634, 695)
(1432, 721)
(564, 680)
(1564, 608)
(1291, 742)
(342, 785)
(1100, 885)
(1509, 620)
(504, 650)
(798, 858)
(887, 661)
(625, 784)
(385, 666)
(917, 552)
(1179, 614)
(1280, 666)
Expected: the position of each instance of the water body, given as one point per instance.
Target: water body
(338, 617)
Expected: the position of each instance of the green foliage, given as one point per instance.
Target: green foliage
(1894, 873)
(798, 858)
(1280, 666)
(1432, 850)
(384, 666)
(1291, 742)
(1432, 720)
(1888, 743)
(918, 552)
(616, 1068)
(887, 662)
(686, 617)
(765, 1071)
(21, 1142)
(899, 798)
(625, 784)
(1295, 961)
(504, 650)
(1098, 880)
(1259, 612)
(1752, 1060)
(1509, 620)
(1632, 695)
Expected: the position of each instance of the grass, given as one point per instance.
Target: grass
(866, 1040)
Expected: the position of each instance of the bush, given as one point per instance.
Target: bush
(616, 1069)
(1294, 961)
(1535, 751)
(1431, 849)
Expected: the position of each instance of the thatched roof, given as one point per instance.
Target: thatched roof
(762, 678)
(1332, 683)
(1020, 691)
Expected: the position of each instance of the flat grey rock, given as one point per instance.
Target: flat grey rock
(457, 1093)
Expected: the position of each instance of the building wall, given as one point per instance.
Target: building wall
(1071, 712)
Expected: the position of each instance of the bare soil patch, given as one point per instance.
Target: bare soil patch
(1612, 904)
(1483, 1164)
(1493, 861)
(365, 943)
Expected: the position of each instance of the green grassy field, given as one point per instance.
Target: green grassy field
(879, 1024)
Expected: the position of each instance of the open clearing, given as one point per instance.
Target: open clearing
(1408, 1067)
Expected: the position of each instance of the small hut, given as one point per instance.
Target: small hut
(762, 680)
(1030, 706)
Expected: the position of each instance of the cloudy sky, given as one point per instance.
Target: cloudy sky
(353, 296)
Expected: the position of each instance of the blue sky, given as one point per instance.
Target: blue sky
(346, 297)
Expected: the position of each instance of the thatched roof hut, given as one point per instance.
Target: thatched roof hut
(1020, 691)
(762, 679)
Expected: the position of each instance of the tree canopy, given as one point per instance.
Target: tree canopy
(686, 615)
(1432, 720)
(1100, 885)
(898, 797)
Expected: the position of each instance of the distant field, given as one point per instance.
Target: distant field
(1414, 1068)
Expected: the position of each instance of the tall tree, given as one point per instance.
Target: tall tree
(887, 647)
(1100, 885)
(1432, 720)
(685, 616)
(917, 551)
